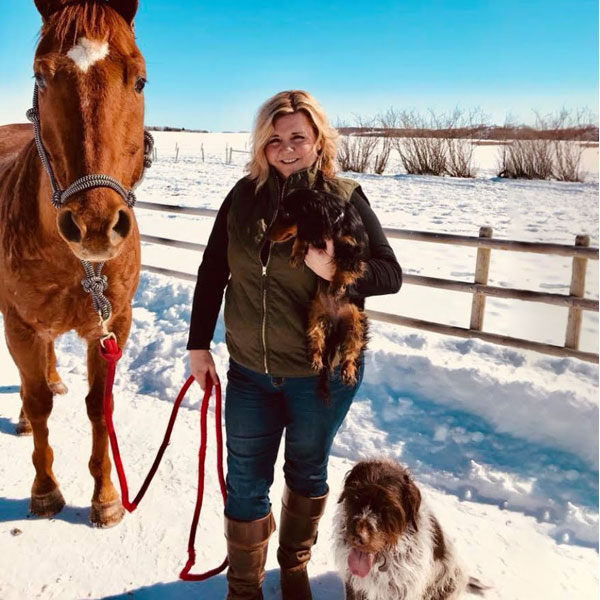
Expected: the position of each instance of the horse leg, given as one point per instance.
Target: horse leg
(52, 377)
(29, 354)
(23, 426)
(106, 510)
(54, 383)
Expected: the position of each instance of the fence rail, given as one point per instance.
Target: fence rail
(229, 153)
(480, 290)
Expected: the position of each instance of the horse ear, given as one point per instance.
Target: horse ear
(48, 7)
(126, 8)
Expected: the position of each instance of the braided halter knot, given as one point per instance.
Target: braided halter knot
(93, 283)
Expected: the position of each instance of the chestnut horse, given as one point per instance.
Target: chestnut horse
(89, 77)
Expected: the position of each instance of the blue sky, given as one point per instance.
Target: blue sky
(210, 65)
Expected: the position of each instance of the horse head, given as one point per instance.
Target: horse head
(90, 77)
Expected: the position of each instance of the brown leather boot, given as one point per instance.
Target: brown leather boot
(247, 543)
(297, 534)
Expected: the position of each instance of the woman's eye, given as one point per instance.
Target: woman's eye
(39, 79)
(298, 137)
(140, 84)
(273, 141)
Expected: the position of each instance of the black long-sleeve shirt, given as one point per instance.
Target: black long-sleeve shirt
(383, 274)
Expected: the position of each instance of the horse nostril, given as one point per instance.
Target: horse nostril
(68, 227)
(123, 224)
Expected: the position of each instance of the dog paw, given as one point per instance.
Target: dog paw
(348, 374)
(317, 364)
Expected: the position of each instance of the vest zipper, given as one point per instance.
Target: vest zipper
(264, 319)
(264, 278)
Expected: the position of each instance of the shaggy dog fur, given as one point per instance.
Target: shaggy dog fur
(388, 545)
(335, 323)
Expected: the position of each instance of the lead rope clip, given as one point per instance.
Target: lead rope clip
(106, 334)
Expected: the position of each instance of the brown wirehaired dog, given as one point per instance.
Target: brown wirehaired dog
(335, 323)
(388, 545)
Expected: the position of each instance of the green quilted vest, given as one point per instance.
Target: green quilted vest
(266, 308)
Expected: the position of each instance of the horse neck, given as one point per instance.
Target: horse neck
(30, 219)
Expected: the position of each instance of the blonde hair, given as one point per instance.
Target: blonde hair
(286, 103)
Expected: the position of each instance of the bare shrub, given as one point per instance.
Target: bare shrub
(568, 153)
(567, 164)
(423, 150)
(461, 127)
(355, 150)
(526, 159)
(387, 122)
(529, 157)
(547, 153)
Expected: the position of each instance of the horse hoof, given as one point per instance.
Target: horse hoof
(23, 427)
(58, 387)
(46, 505)
(107, 514)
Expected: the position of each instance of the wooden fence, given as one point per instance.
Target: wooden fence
(229, 153)
(480, 290)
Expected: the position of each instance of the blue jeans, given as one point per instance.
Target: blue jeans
(258, 408)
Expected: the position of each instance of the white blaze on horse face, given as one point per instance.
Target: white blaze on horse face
(87, 52)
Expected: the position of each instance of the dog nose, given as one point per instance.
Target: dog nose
(360, 538)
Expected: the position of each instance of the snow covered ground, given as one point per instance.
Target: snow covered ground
(504, 443)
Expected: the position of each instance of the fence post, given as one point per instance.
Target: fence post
(482, 270)
(577, 289)
(226, 152)
(230, 154)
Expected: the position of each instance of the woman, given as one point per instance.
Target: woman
(270, 384)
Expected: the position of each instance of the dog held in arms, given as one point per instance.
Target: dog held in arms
(335, 323)
(388, 545)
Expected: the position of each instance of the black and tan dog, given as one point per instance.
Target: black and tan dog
(335, 324)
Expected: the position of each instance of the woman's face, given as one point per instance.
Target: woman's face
(291, 148)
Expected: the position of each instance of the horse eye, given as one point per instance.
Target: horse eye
(139, 84)
(39, 79)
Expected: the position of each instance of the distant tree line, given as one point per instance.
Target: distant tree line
(443, 143)
(167, 128)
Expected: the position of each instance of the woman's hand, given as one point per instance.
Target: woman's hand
(321, 261)
(201, 364)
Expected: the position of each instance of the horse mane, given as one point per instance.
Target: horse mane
(94, 19)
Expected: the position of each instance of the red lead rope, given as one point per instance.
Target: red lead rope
(112, 353)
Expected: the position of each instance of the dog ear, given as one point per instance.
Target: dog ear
(350, 481)
(411, 497)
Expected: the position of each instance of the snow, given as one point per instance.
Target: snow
(503, 442)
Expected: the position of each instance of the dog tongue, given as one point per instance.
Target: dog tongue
(360, 563)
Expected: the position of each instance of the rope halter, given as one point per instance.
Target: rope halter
(59, 196)
(93, 283)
